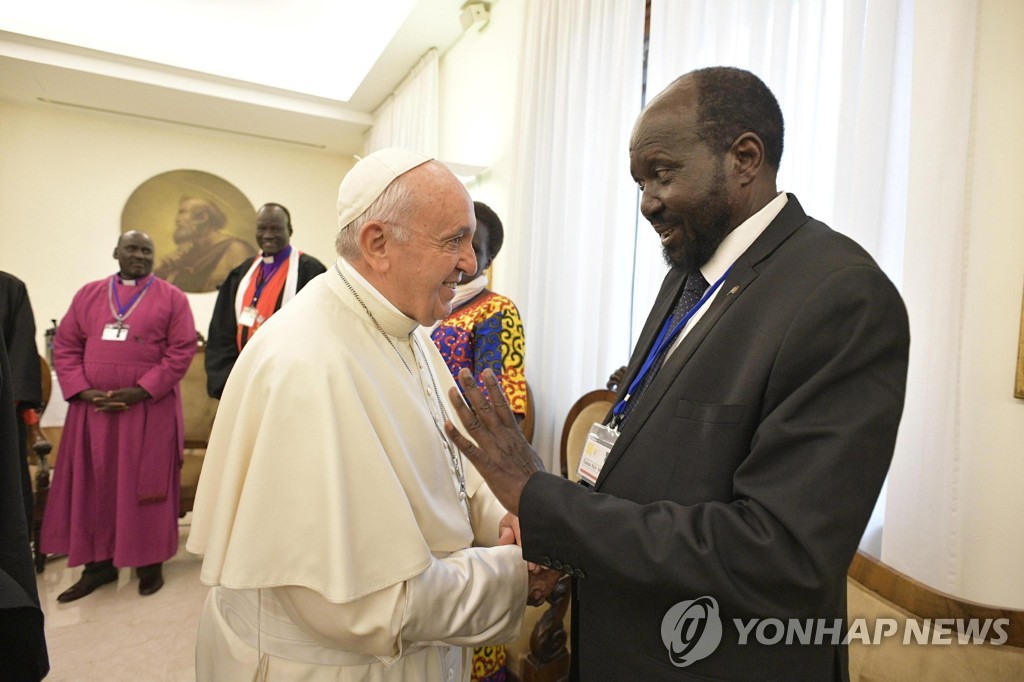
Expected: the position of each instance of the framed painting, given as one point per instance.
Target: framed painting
(202, 227)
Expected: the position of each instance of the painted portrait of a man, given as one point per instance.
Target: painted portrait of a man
(205, 225)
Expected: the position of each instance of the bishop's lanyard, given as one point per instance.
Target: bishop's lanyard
(261, 279)
(665, 338)
(121, 312)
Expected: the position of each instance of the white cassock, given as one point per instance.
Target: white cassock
(328, 509)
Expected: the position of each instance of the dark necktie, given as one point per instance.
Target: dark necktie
(694, 288)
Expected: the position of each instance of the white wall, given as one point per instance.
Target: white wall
(66, 174)
(992, 420)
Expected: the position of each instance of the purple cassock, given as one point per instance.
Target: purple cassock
(117, 478)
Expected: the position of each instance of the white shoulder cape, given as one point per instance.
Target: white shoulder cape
(324, 468)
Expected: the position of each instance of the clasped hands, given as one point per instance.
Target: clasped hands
(504, 458)
(542, 580)
(117, 400)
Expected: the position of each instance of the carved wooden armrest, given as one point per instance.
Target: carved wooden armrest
(39, 445)
(549, 657)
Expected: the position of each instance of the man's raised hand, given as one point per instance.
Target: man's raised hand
(502, 454)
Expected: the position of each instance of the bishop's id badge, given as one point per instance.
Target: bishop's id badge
(248, 316)
(600, 440)
(114, 332)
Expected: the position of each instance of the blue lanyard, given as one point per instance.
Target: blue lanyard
(261, 281)
(665, 337)
(127, 306)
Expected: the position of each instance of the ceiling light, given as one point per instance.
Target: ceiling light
(323, 48)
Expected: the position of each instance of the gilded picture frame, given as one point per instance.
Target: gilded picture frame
(202, 227)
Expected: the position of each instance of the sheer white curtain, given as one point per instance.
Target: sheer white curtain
(409, 116)
(842, 80)
(573, 200)
(841, 72)
(923, 531)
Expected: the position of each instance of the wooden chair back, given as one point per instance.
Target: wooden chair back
(199, 410)
(591, 407)
(529, 420)
(876, 591)
(47, 380)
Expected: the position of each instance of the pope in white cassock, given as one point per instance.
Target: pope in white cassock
(344, 535)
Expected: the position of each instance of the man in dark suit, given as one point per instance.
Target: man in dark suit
(749, 452)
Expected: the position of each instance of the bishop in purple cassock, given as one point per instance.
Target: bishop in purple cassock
(120, 353)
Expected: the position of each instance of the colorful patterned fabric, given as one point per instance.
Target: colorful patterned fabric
(489, 664)
(487, 332)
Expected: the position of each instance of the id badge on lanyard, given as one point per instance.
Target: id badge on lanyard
(248, 316)
(114, 332)
(600, 440)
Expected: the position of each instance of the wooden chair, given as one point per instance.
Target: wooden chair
(590, 408)
(529, 420)
(40, 445)
(876, 591)
(541, 653)
(199, 410)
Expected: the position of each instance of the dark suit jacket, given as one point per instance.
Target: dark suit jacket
(748, 470)
(221, 344)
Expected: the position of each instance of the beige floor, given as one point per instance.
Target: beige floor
(114, 634)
